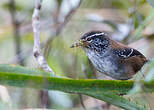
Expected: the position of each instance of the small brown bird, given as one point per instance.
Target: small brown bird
(111, 57)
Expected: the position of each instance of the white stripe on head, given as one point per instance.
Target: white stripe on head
(97, 34)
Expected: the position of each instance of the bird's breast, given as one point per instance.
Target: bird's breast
(105, 63)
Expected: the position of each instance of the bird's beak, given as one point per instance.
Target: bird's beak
(77, 44)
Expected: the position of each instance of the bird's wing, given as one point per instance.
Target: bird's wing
(130, 56)
(127, 52)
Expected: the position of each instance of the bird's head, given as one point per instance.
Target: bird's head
(94, 40)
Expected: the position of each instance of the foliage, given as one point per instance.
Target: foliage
(105, 90)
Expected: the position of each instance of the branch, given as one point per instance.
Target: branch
(37, 48)
(36, 29)
(16, 26)
(59, 27)
(67, 18)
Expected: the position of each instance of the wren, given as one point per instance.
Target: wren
(111, 57)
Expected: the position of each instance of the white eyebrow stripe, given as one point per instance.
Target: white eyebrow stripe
(97, 34)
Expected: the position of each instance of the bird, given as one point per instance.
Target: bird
(110, 57)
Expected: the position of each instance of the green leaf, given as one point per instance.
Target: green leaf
(8, 6)
(116, 100)
(105, 90)
(140, 28)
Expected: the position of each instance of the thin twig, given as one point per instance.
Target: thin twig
(67, 18)
(60, 27)
(81, 101)
(16, 26)
(36, 29)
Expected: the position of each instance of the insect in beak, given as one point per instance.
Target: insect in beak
(77, 44)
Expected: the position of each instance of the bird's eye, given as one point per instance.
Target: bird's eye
(88, 39)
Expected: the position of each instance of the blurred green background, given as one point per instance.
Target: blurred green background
(62, 23)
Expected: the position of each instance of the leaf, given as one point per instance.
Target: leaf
(116, 100)
(105, 90)
(140, 28)
(20, 70)
(8, 6)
